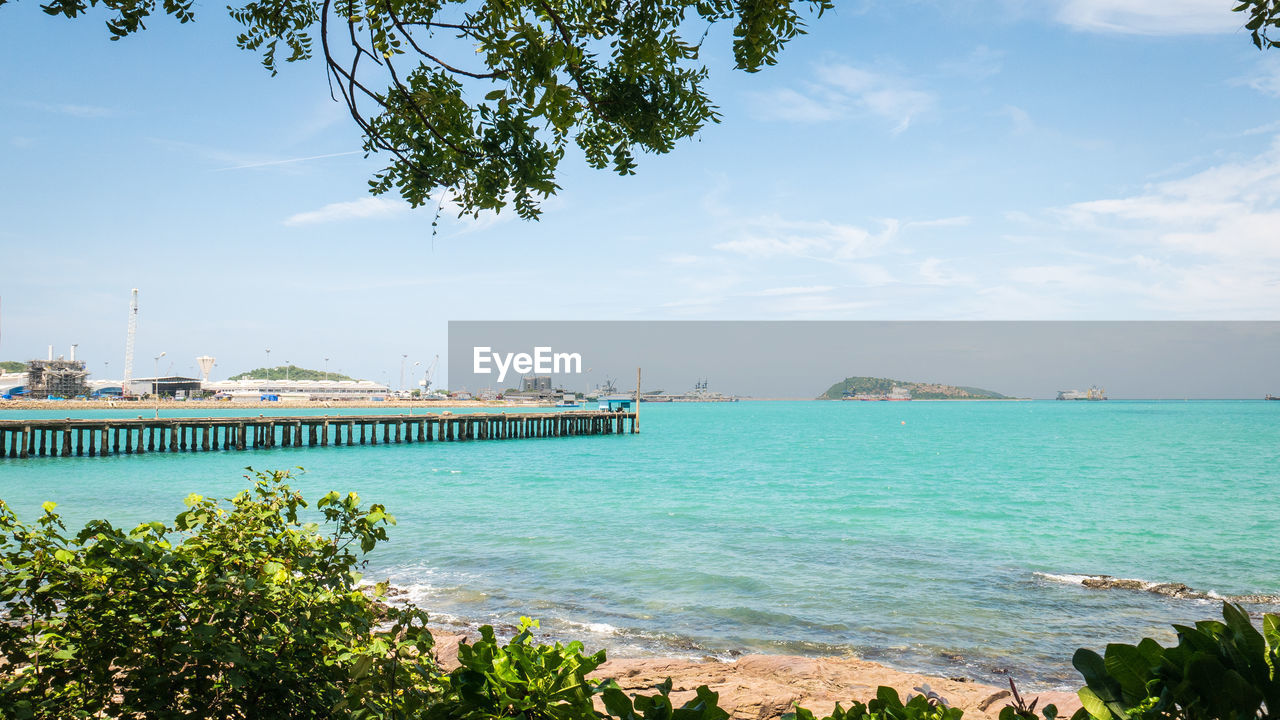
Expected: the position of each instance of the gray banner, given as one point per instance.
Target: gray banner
(803, 359)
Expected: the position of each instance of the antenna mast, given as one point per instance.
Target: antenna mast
(128, 345)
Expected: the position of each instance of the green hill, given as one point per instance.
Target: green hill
(13, 366)
(919, 391)
(292, 372)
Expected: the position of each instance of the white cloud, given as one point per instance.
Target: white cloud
(794, 290)
(364, 208)
(771, 236)
(821, 307)
(980, 64)
(1231, 210)
(73, 110)
(1266, 79)
(935, 271)
(791, 106)
(1201, 246)
(287, 161)
(1020, 118)
(682, 259)
(957, 221)
(1151, 17)
(842, 90)
(382, 207)
(886, 96)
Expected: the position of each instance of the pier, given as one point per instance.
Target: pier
(100, 438)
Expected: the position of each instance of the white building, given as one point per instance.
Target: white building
(10, 380)
(253, 389)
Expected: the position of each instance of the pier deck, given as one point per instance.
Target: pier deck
(98, 438)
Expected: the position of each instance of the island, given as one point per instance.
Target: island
(874, 388)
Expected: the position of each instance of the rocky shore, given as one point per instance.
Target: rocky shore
(764, 687)
(1168, 589)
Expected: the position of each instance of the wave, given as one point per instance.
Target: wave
(1173, 590)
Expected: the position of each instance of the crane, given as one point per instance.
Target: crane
(425, 382)
(128, 345)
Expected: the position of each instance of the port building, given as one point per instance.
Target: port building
(535, 383)
(255, 389)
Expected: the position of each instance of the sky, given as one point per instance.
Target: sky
(908, 160)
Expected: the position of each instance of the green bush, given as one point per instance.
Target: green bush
(1217, 671)
(240, 610)
(888, 706)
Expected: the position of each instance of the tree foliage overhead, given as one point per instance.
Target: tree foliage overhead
(1264, 18)
(477, 100)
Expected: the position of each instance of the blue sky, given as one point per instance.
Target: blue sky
(1055, 159)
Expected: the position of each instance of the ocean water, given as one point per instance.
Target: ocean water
(931, 536)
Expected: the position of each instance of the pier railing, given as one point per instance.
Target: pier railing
(98, 438)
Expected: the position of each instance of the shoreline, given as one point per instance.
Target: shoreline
(766, 686)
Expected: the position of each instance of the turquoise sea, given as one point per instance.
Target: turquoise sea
(931, 536)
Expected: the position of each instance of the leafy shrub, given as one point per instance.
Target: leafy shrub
(235, 611)
(888, 706)
(1217, 671)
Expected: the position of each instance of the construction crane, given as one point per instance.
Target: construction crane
(425, 382)
(128, 345)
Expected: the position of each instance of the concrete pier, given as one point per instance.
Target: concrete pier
(99, 438)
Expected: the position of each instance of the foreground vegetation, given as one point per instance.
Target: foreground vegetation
(247, 608)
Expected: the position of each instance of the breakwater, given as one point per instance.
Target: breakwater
(101, 437)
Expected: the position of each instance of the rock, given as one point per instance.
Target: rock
(985, 705)
(446, 649)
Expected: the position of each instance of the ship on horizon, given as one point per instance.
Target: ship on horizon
(1093, 393)
(700, 393)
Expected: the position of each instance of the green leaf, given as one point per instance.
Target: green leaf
(1093, 704)
(1127, 666)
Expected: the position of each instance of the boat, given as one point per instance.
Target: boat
(1093, 393)
(699, 394)
(568, 400)
(1272, 397)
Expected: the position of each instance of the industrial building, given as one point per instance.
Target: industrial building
(57, 378)
(166, 386)
(255, 389)
(535, 383)
(11, 382)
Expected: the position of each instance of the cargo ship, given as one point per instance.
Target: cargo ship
(1093, 393)
(700, 393)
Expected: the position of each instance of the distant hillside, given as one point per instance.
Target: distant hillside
(919, 391)
(13, 366)
(292, 372)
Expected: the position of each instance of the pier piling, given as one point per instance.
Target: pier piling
(21, 439)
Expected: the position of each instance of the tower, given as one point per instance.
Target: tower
(206, 364)
(128, 345)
